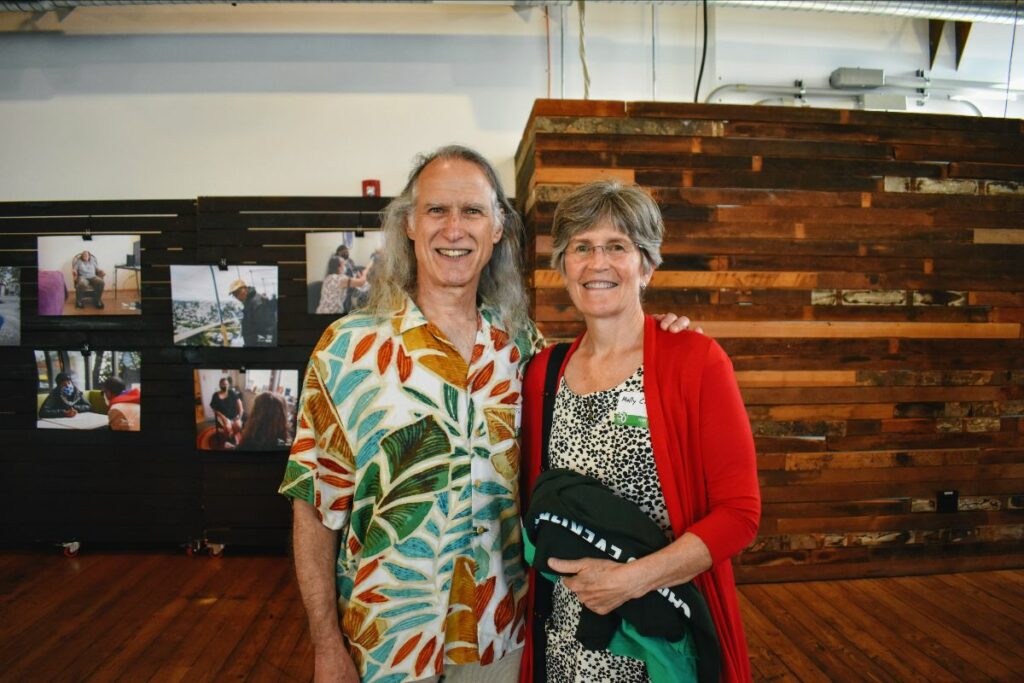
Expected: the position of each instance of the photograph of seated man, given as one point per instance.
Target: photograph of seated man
(65, 399)
(97, 276)
(88, 280)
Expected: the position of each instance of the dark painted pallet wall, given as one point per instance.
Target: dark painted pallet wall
(153, 488)
(865, 272)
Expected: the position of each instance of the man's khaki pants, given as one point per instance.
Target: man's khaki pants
(505, 670)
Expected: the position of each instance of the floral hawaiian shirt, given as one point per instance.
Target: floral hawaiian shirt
(411, 454)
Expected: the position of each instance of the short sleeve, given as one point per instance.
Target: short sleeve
(321, 468)
(529, 341)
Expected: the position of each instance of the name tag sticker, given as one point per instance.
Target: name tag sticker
(631, 410)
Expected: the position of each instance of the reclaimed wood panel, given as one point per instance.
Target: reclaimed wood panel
(865, 272)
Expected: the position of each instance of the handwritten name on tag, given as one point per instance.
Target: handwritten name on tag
(631, 410)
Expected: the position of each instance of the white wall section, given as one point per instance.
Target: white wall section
(186, 101)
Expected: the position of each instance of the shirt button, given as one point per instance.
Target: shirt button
(480, 530)
(478, 483)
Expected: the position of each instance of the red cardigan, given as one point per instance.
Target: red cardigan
(704, 453)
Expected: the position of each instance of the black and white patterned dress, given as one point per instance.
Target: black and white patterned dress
(584, 438)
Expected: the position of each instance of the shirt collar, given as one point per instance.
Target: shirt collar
(411, 317)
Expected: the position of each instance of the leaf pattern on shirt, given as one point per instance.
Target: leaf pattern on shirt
(501, 423)
(410, 453)
(364, 345)
(461, 623)
(507, 462)
(438, 356)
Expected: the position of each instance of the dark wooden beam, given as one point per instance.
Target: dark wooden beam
(935, 27)
(963, 29)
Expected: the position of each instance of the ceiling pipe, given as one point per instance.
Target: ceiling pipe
(966, 102)
(800, 92)
(910, 86)
(979, 11)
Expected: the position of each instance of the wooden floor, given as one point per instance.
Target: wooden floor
(174, 618)
(122, 302)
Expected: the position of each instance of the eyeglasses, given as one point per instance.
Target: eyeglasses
(613, 251)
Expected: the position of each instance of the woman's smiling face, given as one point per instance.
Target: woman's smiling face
(604, 271)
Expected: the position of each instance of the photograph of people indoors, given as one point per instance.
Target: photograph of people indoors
(10, 306)
(89, 390)
(236, 307)
(97, 276)
(339, 270)
(250, 410)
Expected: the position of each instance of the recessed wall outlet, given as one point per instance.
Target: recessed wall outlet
(946, 501)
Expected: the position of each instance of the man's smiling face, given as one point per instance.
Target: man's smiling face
(454, 225)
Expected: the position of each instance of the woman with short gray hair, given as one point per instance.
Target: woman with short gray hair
(656, 419)
(629, 208)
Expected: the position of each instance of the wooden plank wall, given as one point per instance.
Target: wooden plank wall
(865, 272)
(153, 488)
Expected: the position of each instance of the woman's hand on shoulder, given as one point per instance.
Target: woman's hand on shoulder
(670, 322)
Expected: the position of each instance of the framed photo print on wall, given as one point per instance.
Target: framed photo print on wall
(236, 307)
(339, 269)
(245, 410)
(89, 390)
(98, 276)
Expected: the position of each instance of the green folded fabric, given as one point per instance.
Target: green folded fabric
(667, 661)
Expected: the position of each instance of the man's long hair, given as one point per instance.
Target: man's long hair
(501, 282)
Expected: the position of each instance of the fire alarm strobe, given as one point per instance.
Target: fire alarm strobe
(371, 188)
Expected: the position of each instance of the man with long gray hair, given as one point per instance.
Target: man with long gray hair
(405, 466)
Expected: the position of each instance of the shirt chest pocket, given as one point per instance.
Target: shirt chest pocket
(501, 434)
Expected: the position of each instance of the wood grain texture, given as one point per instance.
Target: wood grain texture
(863, 272)
(129, 617)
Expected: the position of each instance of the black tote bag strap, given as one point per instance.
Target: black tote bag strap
(543, 587)
(555, 361)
